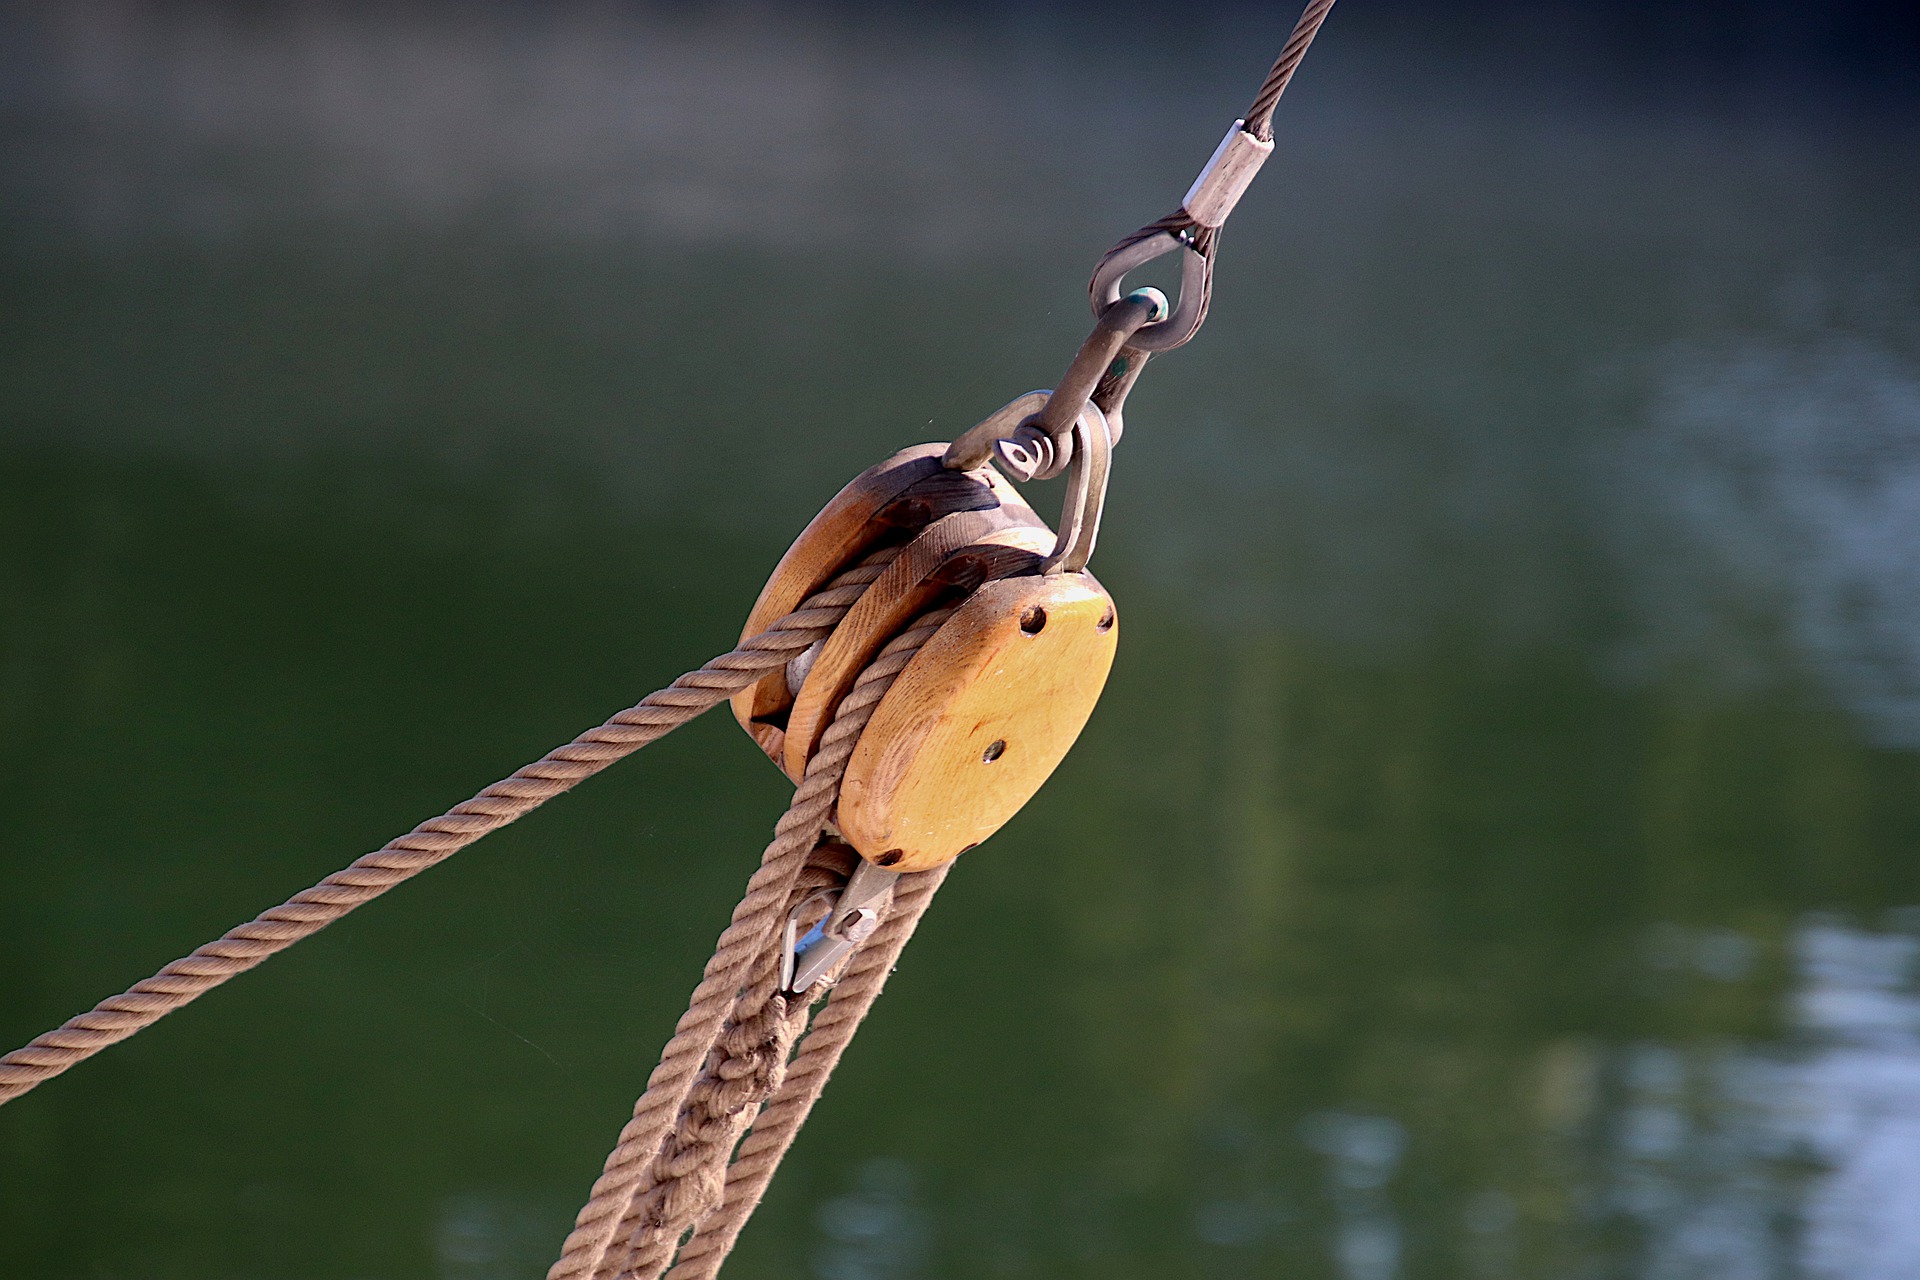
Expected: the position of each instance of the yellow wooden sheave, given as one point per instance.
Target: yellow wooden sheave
(987, 708)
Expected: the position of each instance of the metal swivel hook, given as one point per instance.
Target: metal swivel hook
(1011, 433)
(1033, 433)
(1042, 433)
(1108, 353)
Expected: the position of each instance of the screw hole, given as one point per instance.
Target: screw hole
(890, 857)
(1106, 620)
(1033, 620)
(995, 749)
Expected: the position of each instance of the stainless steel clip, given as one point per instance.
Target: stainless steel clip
(850, 921)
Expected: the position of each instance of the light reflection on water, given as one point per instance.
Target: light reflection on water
(1783, 477)
(1719, 1162)
(877, 1230)
(1489, 861)
(1362, 1153)
(1750, 1161)
(1855, 1101)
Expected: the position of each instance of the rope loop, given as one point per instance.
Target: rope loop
(729, 1054)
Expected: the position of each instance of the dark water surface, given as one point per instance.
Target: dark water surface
(1495, 854)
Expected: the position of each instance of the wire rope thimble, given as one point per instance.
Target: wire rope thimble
(1189, 231)
(1196, 286)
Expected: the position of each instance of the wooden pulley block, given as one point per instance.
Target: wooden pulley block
(885, 504)
(951, 556)
(979, 719)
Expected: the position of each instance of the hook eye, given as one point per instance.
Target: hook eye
(1196, 282)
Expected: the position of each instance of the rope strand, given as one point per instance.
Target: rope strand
(618, 1198)
(433, 841)
(779, 1124)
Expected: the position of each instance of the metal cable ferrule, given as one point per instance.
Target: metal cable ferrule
(1227, 176)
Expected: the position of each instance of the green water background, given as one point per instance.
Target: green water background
(1495, 853)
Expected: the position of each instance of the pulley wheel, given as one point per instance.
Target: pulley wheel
(953, 554)
(889, 502)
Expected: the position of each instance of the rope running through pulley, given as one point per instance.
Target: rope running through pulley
(920, 661)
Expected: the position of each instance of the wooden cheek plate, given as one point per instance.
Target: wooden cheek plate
(844, 530)
(978, 720)
(907, 587)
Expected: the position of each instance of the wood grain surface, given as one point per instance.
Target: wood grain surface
(890, 501)
(922, 572)
(979, 719)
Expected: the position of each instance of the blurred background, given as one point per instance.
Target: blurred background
(1495, 855)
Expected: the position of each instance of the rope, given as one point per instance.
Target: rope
(621, 1196)
(433, 841)
(694, 1156)
(779, 1124)
(685, 1181)
(747, 1065)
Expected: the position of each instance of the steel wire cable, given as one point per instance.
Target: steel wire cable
(1205, 240)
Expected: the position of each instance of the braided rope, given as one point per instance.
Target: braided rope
(433, 841)
(748, 1064)
(685, 1181)
(779, 1124)
(611, 1204)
